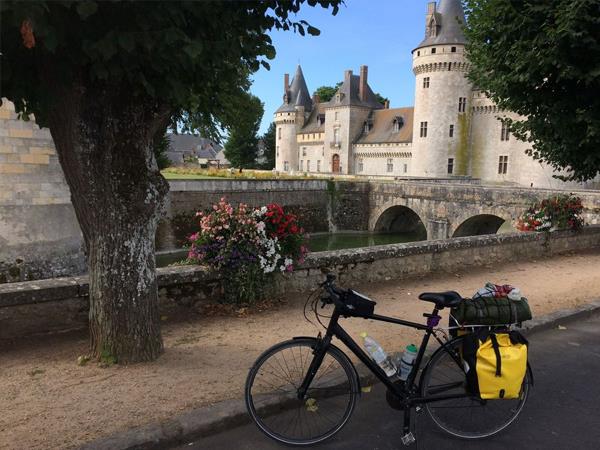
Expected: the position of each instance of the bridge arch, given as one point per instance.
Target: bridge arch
(400, 219)
(478, 225)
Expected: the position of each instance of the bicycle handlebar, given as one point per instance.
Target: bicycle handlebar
(334, 292)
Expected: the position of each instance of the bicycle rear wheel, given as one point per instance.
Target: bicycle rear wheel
(272, 400)
(468, 417)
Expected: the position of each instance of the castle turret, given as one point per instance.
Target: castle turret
(289, 118)
(442, 94)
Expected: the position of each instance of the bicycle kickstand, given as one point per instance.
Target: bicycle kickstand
(408, 438)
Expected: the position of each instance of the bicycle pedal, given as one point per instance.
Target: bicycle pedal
(408, 439)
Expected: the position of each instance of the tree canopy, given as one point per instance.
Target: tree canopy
(269, 147)
(241, 148)
(107, 78)
(542, 61)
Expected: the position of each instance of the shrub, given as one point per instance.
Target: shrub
(248, 246)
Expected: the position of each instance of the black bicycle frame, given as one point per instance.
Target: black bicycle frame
(335, 330)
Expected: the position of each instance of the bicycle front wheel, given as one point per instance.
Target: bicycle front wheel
(272, 393)
(465, 417)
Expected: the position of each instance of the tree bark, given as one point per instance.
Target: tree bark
(104, 142)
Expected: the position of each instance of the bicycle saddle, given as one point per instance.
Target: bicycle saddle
(442, 299)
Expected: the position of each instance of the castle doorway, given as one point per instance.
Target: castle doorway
(335, 163)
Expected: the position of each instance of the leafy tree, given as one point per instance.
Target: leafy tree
(241, 149)
(326, 93)
(161, 146)
(269, 147)
(541, 60)
(105, 78)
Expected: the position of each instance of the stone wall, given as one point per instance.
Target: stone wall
(39, 234)
(321, 205)
(52, 305)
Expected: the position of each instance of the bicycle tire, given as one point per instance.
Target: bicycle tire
(484, 418)
(278, 412)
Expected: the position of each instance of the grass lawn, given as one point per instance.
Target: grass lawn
(186, 176)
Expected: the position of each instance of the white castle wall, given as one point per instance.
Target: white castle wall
(375, 158)
(285, 141)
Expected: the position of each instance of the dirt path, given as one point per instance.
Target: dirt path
(48, 401)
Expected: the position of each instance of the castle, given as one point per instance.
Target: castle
(453, 129)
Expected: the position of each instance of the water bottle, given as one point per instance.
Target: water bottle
(378, 354)
(407, 361)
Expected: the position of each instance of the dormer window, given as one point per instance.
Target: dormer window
(368, 126)
(339, 97)
(397, 123)
(321, 119)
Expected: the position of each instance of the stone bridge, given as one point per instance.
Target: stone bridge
(456, 210)
(430, 209)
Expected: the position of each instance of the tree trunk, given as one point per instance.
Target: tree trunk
(104, 142)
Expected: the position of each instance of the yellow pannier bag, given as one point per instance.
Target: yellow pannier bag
(496, 363)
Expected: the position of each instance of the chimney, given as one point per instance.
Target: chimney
(347, 76)
(286, 87)
(316, 99)
(362, 87)
(430, 7)
(386, 104)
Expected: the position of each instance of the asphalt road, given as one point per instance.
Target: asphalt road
(563, 410)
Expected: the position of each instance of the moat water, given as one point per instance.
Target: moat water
(321, 242)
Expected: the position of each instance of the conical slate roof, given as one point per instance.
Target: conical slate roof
(450, 16)
(297, 94)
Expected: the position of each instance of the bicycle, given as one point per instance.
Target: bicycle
(304, 390)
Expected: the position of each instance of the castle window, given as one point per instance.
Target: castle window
(423, 129)
(336, 135)
(336, 115)
(278, 150)
(398, 123)
(405, 168)
(279, 133)
(453, 49)
(318, 165)
(418, 53)
(462, 104)
(433, 51)
(322, 151)
(308, 165)
(303, 151)
(451, 131)
(390, 165)
(321, 119)
(368, 126)
(502, 164)
(360, 166)
(286, 166)
(425, 82)
(301, 165)
(504, 132)
(450, 166)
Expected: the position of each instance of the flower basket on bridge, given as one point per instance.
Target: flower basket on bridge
(560, 212)
(247, 246)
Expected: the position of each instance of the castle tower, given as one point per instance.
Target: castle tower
(442, 94)
(289, 118)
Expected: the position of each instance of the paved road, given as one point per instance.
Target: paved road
(563, 410)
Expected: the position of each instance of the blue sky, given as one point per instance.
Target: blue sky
(378, 33)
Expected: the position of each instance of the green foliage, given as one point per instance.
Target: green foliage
(194, 56)
(241, 148)
(326, 93)
(269, 147)
(542, 61)
(161, 146)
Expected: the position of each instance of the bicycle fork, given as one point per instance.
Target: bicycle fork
(319, 353)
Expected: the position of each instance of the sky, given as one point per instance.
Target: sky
(378, 33)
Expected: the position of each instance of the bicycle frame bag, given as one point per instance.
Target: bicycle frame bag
(357, 304)
(490, 311)
(495, 363)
